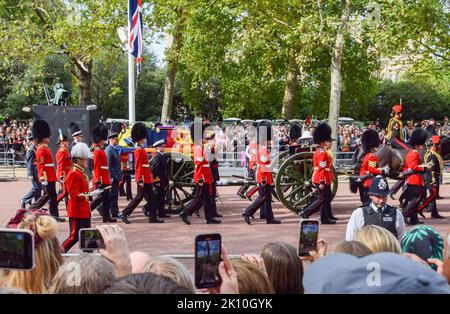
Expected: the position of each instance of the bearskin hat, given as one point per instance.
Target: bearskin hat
(418, 137)
(370, 139)
(295, 132)
(100, 132)
(115, 130)
(74, 129)
(40, 130)
(264, 131)
(322, 133)
(138, 131)
(197, 129)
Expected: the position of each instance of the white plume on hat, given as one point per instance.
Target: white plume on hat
(81, 150)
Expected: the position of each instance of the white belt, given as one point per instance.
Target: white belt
(146, 166)
(104, 167)
(205, 166)
(317, 168)
(48, 165)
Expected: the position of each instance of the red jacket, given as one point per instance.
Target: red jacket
(45, 166)
(78, 188)
(323, 162)
(412, 162)
(124, 162)
(63, 162)
(369, 165)
(252, 150)
(263, 171)
(100, 171)
(202, 169)
(142, 166)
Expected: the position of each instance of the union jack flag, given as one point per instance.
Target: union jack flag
(135, 31)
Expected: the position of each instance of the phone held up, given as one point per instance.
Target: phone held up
(309, 233)
(208, 256)
(16, 249)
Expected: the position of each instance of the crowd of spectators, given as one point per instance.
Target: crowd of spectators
(13, 138)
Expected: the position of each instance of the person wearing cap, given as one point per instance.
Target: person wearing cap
(432, 177)
(143, 177)
(370, 141)
(63, 164)
(414, 188)
(32, 174)
(113, 156)
(378, 212)
(203, 195)
(46, 169)
(160, 177)
(100, 172)
(77, 186)
(76, 134)
(322, 176)
(395, 128)
(212, 155)
(263, 177)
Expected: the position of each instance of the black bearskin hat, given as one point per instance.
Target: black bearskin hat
(370, 139)
(418, 137)
(197, 129)
(295, 132)
(40, 130)
(264, 131)
(74, 129)
(100, 132)
(322, 133)
(138, 132)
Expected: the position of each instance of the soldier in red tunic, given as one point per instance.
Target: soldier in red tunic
(143, 177)
(46, 168)
(100, 178)
(322, 176)
(414, 189)
(263, 177)
(77, 185)
(63, 164)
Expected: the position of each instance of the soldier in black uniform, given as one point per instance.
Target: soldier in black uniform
(32, 175)
(76, 134)
(160, 177)
(214, 165)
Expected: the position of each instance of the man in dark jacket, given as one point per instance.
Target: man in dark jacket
(114, 171)
(160, 177)
(32, 175)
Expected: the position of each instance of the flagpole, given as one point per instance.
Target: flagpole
(131, 90)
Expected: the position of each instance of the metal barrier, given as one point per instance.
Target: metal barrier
(7, 165)
(177, 256)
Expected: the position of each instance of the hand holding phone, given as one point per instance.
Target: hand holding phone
(16, 249)
(207, 259)
(91, 239)
(309, 233)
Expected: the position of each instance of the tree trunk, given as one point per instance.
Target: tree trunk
(290, 89)
(336, 73)
(82, 70)
(169, 88)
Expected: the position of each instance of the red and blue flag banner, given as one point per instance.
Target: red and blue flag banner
(135, 31)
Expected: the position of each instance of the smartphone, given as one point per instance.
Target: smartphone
(309, 233)
(16, 249)
(208, 255)
(91, 239)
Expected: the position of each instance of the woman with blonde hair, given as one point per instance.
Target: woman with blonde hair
(251, 279)
(47, 252)
(171, 268)
(378, 239)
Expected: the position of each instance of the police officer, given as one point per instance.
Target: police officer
(377, 212)
(100, 172)
(46, 168)
(63, 164)
(76, 134)
(143, 176)
(322, 176)
(395, 128)
(160, 177)
(263, 177)
(113, 157)
(32, 174)
(77, 185)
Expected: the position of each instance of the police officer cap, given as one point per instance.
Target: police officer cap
(159, 143)
(379, 186)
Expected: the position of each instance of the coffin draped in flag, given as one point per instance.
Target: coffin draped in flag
(135, 31)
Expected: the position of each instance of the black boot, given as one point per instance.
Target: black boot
(273, 221)
(246, 218)
(124, 218)
(185, 218)
(213, 221)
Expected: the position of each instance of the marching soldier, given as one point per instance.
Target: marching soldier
(143, 176)
(112, 153)
(295, 132)
(63, 164)
(46, 168)
(414, 192)
(202, 177)
(101, 178)
(77, 185)
(250, 164)
(263, 177)
(322, 175)
(432, 177)
(160, 177)
(395, 128)
(32, 174)
(214, 165)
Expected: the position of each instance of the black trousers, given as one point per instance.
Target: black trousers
(263, 202)
(35, 192)
(103, 203)
(414, 196)
(398, 144)
(75, 224)
(159, 199)
(363, 194)
(143, 192)
(114, 198)
(322, 204)
(49, 195)
(125, 186)
(203, 197)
